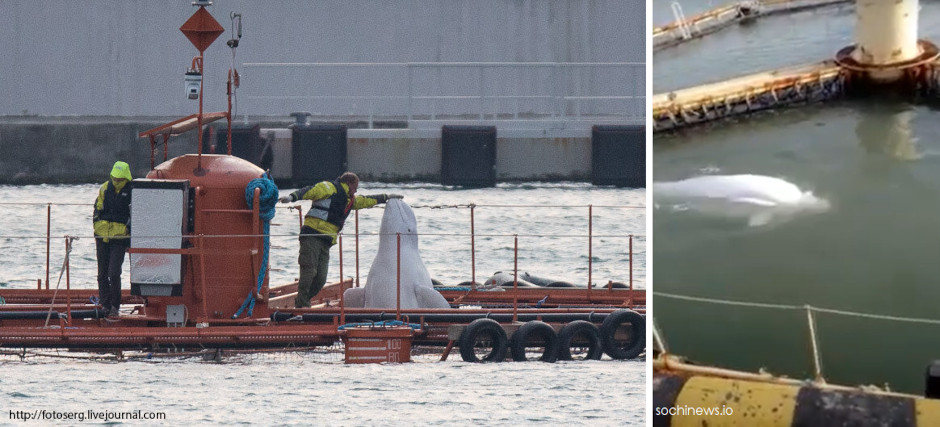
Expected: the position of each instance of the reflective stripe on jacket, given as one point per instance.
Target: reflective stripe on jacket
(112, 211)
(331, 206)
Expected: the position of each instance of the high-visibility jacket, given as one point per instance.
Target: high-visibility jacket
(331, 205)
(112, 211)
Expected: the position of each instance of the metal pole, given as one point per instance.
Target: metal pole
(515, 278)
(817, 365)
(342, 303)
(68, 287)
(199, 118)
(398, 280)
(473, 252)
(590, 242)
(357, 248)
(202, 276)
(658, 342)
(48, 238)
(229, 114)
(631, 263)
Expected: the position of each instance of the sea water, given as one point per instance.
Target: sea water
(550, 221)
(874, 252)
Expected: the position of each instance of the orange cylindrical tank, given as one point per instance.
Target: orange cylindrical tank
(217, 289)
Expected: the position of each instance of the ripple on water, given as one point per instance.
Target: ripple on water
(298, 389)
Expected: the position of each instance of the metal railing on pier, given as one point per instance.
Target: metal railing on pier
(425, 93)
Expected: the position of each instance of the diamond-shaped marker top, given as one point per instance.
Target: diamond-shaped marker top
(202, 29)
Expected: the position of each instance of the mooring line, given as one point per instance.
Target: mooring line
(798, 307)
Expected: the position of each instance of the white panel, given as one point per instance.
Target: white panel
(156, 222)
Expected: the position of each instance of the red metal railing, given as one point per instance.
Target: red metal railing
(197, 252)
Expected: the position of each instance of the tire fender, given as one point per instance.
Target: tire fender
(637, 340)
(582, 328)
(533, 329)
(478, 328)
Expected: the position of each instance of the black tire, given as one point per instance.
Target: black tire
(524, 335)
(577, 331)
(636, 341)
(487, 329)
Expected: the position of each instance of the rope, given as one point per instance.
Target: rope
(68, 250)
(797, 307)
(266, 205)
(728, 302)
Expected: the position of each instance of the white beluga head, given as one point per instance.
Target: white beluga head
(380, 290)
(761, 199)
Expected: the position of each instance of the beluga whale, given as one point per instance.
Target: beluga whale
(759, 198)
(417, 290)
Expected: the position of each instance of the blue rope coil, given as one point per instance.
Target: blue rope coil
(452, 288)
(266, 205)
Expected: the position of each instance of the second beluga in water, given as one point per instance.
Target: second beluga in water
(758, 198)
(417, 290)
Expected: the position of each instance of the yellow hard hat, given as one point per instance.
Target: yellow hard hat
(121, 170)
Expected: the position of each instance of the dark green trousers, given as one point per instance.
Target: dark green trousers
(314, 262)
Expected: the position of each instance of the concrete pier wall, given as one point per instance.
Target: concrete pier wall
(82, 150)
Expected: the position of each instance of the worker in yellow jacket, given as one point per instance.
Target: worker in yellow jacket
(112, 235)
(332, 202)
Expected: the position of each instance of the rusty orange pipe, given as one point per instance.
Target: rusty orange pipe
(398, 281)
(515, 278)
(590, 242)
(473, 252)
(357, 248)
(202, 279)
(342, 302)
(68, 287)
(197, 64)
(631, 263)
(48, 239)
(229, 115)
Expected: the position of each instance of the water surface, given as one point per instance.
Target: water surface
(876, 251)
(316, 388)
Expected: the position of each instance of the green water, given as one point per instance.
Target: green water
(876, 251)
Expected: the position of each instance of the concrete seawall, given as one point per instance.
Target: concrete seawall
(82, 150)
